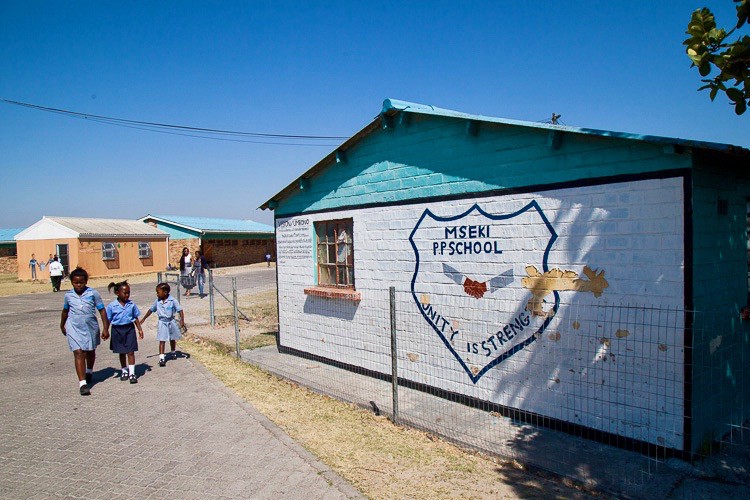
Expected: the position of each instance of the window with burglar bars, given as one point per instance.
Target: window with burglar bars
(335, 251)
(144, 250)
(109, 251)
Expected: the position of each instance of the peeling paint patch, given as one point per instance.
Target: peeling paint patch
(474, 370)
(412, 357)
(576, 325)
(714, 344)
(604, 341)
(424, 299)
(621, 334)
(559, 280)
(555, 336)
(663, 347)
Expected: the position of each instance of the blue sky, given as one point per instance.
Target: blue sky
(311, 68)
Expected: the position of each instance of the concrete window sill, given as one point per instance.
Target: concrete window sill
(334, 293)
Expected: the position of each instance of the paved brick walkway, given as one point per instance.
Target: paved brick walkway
(178, 433)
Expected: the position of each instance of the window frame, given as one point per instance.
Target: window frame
(149, 252)
(109, 250)
(327, 249)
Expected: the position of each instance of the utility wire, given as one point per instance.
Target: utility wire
(186, 130)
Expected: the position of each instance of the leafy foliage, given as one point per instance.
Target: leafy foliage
(709, 49)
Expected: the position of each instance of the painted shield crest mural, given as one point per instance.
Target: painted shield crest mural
(471, 282)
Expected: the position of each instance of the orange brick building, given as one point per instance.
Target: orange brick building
(103, 247)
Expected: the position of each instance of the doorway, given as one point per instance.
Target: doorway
(62, 257)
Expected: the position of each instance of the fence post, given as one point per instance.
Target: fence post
(158, 278)
(179, 292)
(394, 355)
(211, 297)
(236, 320)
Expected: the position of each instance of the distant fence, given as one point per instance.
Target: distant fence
(178, 281)
(621, 375)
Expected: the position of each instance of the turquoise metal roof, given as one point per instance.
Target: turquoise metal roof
(392, 107)
(212, 225)
(7, 235)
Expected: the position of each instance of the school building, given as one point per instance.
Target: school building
(8, 262)
(103, 247)
(516, 250)
(224, 242)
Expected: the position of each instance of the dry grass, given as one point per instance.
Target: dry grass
(261, 308)
(381, 459)
(10, 285)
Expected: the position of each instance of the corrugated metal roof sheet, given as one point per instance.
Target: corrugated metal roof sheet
(214, 225)
(6, 235)
(393, 106)
(102, 228)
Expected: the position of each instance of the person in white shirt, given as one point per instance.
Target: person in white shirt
(56, 273)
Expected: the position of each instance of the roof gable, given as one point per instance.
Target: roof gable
(46, 229)
(395, 117)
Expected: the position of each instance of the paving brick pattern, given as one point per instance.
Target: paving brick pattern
(178, 433)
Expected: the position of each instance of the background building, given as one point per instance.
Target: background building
(224, 242)
(8, 262)
(101, 246)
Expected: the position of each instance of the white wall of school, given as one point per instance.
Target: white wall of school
(591, 365)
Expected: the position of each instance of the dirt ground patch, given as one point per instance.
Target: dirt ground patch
(258, 330)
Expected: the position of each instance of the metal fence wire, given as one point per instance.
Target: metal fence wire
(598, 381)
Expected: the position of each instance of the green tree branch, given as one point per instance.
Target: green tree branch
(709, 50)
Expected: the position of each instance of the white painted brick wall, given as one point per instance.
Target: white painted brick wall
(631, 385)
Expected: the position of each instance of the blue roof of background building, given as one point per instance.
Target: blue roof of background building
(213, 225)
(7, 235)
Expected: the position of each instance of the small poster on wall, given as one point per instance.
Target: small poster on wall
(294, 239)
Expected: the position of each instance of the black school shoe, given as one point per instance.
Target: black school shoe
(84, 390)
(163, 362)
(124, 376)
(133, 380)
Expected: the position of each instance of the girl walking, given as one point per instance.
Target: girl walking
(79, 324)
(123, 316)
(186, 270)
(166, 307)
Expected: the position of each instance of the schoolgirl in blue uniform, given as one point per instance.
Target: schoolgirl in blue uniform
(80, 326)
(166, 307)
(123, 316)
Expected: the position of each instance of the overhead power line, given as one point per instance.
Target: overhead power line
(189, 131)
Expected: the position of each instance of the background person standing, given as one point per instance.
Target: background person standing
(56, 273)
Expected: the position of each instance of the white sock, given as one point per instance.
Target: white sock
(131, 369)
(81, 383)
(89, 370)
(162, 356)
(124, 369)
(171, 352)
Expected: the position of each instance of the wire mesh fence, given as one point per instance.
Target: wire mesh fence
(558, 387)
